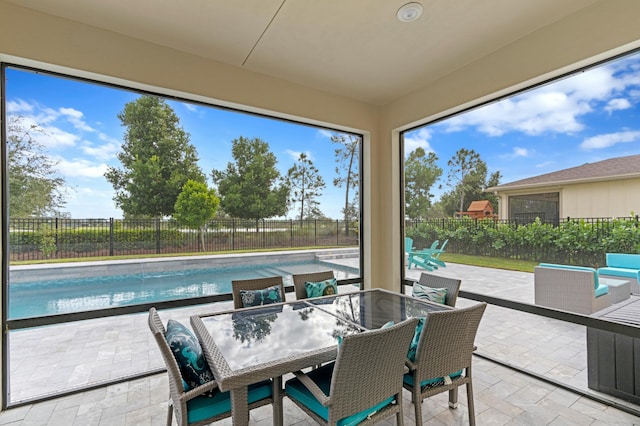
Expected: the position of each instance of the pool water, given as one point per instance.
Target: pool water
(41, 298)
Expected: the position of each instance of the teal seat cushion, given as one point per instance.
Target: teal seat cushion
(619, 272)
(436, 295)
(602, 290)
(188, 354)
(202, 407)
(266, 296)
(321, 288)
(322, 377)
(408, 379)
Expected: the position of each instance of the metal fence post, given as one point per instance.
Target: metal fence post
(110, 236)
(157, 236)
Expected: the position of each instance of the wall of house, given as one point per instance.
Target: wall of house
(615, 198)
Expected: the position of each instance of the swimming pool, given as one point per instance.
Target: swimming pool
(50, 297)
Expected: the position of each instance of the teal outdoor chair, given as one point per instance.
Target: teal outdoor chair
(364, 385)
(203, 404)
(425, 258)
(443, 357)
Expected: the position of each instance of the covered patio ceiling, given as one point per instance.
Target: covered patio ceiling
(354, 48)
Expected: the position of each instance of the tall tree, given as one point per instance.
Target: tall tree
(306, 185)
(420, 173)
(463, 172)
(157, 159)
(472, 186)
(35, 187)
(251, 187)
(195, 206)
(347, 169)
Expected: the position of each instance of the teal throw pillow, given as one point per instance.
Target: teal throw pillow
(413, 347)
(321, 288)
(265, 296)
(188, 353)
(437, 295)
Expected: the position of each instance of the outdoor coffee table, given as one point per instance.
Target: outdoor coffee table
(618, 289)
(246, 346)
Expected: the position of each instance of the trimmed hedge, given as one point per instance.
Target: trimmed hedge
(574, 241)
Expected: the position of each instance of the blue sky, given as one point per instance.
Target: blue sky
(588, 117)
(83, 134)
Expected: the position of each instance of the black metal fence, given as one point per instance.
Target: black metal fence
(59, 238)
(583, 241)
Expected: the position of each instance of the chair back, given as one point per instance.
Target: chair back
(451, 284)
(447, 341)
(408, 244)
(441, 249)
(175, 379)
(300, 279)
(369, 369)
(254, 284)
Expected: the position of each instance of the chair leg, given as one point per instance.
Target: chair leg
(399, 414)
(417, 403)
(170, 414)
(472, 413)
(277, 401)
(453, 398)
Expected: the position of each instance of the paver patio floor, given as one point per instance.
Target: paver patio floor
(61, 357)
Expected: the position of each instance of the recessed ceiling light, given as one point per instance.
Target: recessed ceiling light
(409, 12)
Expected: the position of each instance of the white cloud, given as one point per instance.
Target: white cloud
(75, 117)
(555, 108)
(81, 168)
(101, 152)
(92, 202)
(417, 139)
(610, 139)
(545, 164)
(617, 104)
(19, 106)
(518, 152)
(190, 107)
(324, 133)
(295, 155)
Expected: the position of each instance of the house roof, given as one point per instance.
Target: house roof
(613, 168)
(355, 48)
(479, 206)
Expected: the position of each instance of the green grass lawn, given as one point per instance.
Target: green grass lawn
(490, 262)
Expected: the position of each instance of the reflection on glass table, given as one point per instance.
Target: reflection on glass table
(373, 308)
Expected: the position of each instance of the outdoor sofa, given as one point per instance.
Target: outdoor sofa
(623, 266)
(570, 288)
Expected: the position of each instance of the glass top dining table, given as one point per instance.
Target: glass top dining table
(246, 346)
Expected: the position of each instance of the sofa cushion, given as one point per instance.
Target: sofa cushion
(623, 260)
(619, 272)
(602, 290)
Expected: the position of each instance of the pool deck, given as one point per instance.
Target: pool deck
(64, 356)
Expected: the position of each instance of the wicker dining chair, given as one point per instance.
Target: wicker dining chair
(435, 281)
(254, 284)
(300, 279)
(193, 407)
(443, 357)
(363, 385)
